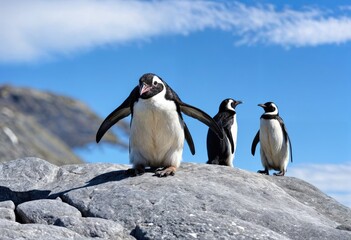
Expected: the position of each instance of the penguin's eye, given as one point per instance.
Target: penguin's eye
(155, 83)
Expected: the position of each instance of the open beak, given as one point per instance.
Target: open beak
(143, 88)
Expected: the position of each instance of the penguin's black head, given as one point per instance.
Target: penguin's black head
(229, 104)
(150, 85)
(269, 108)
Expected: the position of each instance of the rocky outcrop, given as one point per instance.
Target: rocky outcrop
(7, 210)
(46, 125)
(201, 201)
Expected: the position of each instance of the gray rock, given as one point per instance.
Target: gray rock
(7, 211)
(94, 227)
(12, 230)
(45, 211)
(7, 214)
(344, 227)
(205, 200)
(200, 201)
(7, 204)
(17, 141)
(21, 179)
(58, 123)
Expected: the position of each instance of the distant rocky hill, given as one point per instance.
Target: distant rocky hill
(40, 201)
(46, 125)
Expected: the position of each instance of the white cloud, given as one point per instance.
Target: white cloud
(333, 179)
(32, 30)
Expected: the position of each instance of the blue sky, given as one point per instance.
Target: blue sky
(297, 54)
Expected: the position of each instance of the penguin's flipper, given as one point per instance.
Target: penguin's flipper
(286, 135)
(230, 137)
(291, 156)
(201, 116)
(226, 121)
(189, 139)
(121, 112)
(255, 142)
(282, 125)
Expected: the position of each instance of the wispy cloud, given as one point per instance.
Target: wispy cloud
(33, 30)
(333, 179)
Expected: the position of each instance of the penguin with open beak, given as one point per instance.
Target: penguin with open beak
(157, 128)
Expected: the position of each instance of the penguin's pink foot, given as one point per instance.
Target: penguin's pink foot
(166, 171)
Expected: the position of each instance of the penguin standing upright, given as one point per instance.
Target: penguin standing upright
(157, 129)
(222, 151)
(275, 142)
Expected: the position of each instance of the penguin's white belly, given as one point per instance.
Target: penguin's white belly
(234, 131)
(157, 135)
(273, 144)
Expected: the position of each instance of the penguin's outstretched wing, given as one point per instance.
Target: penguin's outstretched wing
(286, 135)
(121, 112)
(201, 116)
(255, 142)
(193, 112)
(189, 139)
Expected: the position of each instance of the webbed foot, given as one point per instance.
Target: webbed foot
(166, 171)
(263, 172)
(136, 171)
(281, 173)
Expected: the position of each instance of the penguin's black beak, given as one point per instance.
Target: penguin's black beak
(262, 105)
(238, 102)
(143, 88)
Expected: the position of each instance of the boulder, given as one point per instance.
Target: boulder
(13, 230)
(200, 201)
(7, 210)
(45, 211)
(59, 124)
(94, 227)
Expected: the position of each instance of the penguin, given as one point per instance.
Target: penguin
(222, 151)
(276, 146)
(157, 128)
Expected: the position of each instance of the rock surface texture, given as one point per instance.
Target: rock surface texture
(46, 125)
(99, 201)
